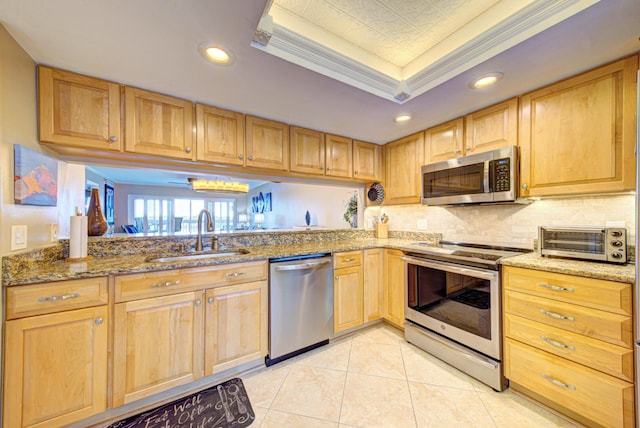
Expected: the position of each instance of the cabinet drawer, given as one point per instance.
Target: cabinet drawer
(595, 293)
(46, 298)
(347, 259)
(612, 328)
(162, 283)
(614, 360)
(596, 396)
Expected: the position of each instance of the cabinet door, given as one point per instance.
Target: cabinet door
(348, 298)
(219, 135)
(492, 128)
(366, 160)
(339, 156)
(79, 111)
(577, 136)
(403, 161)
(158, 124)
(236, 326)
(267, 144)
(307, 151)
(444, 141)
(55, 369)
(373, 284)
(394, 287)
(157, 345)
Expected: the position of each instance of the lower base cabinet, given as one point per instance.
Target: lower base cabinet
(348, 291)
(394, 287)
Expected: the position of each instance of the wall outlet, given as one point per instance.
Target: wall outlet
(53, 232)
(18, 237)
(423, 224)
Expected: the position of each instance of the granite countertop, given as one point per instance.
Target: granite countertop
(609, 271)
(58, 270)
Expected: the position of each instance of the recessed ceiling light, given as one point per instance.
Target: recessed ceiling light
(486, 80)
(216, 53)
(402, 118)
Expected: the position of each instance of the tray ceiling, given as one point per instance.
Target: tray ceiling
(399, 49)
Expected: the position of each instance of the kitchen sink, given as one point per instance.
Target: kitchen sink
(200, 255)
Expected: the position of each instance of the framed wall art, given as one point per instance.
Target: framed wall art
(109, 201)
(35, 178)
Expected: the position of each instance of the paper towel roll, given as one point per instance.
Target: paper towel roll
(78, 237)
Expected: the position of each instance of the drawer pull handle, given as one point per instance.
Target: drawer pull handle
(555, 287)
(56, 298)
(349, 260)
(166, 284)
(556, 316)
(558, 344)
(234, 275)
(557, 382)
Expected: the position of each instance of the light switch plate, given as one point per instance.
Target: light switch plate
(18, 237)
(53, 232)
(618, 223)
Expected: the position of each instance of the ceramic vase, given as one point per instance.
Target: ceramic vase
(97, 223)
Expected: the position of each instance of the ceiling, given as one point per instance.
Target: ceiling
(153, 44)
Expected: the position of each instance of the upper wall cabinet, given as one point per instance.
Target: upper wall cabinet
(78, 111)
(307, 153)
(220, 135)
(402, 169)
(267, 144)
(577, 136)
(339, 156)
(158, 124)
(366, 161)
(444, 141)
(491, 128)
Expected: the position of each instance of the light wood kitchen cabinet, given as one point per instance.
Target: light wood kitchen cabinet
(266, 143)
(55, 363)
(367, 159)
(348, 291)
(491, 128)
(394, 287)
(444, 141)
(338, 156)
(307, 153)
(403, 160)
(78, 111)
(157, 124)
(578, 136)
(373, 283)
(568, 344)
(219, 135)
(237, 328)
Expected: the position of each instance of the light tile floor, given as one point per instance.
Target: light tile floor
(374, 378)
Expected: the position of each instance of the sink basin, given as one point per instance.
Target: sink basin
(200, 255)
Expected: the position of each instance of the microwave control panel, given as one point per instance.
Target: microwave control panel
(502, 174)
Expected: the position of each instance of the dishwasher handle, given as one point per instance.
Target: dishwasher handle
(304, 266)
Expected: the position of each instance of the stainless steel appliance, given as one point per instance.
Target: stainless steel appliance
(300, 305)
(453, 301)
(487, 177)
(607, 244)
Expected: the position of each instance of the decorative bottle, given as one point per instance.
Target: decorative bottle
(96, 222)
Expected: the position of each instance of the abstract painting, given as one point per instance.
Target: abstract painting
(35, 178)
(108, 203)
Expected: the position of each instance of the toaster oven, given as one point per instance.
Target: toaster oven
(605, 244)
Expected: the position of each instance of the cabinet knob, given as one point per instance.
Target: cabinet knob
(250, 157)
(240, 156)
(198, 302)
(187, 149)
(99, 321)
(328, 169)
(113, 139)
(355, 172)
(337, 278)
(458, 151)
(469, 149)
(525, 186)
(210, 300)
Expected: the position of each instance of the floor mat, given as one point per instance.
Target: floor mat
(225, 406)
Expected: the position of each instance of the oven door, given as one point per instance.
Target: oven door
(458, 302)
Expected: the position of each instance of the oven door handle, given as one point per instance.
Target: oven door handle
(462, 270)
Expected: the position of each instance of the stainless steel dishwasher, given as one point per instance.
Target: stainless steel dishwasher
(300, 305)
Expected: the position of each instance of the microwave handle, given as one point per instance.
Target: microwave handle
(488, 176)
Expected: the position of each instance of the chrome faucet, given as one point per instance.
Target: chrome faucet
(210, 228)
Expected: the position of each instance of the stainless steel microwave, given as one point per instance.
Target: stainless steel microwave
(606, 244)
(486, 177)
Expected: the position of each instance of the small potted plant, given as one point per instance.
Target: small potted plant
(351, 214)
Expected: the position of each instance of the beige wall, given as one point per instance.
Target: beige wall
(511, 225)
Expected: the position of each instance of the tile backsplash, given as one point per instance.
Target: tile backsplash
(509, 225)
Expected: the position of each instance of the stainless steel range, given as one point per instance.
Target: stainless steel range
(453, 306)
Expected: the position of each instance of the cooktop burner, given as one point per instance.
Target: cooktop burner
(485, 256)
